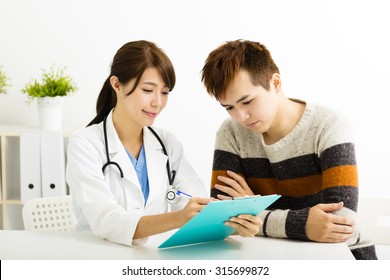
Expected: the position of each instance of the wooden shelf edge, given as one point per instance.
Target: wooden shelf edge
(11, 202)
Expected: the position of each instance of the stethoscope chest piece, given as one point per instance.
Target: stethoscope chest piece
(172, 196)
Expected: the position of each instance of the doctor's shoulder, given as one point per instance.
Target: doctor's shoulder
(92, 134)
(164, 134)
(169, 139)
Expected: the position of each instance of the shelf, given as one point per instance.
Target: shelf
(11, 204)
(13, 130)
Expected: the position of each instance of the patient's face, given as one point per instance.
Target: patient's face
(252, 106)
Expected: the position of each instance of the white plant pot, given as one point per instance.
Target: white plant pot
(50, 111)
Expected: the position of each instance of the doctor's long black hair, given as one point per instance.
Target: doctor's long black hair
(130, 62)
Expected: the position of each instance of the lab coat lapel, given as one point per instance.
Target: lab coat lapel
(156, 162)
(118, 154)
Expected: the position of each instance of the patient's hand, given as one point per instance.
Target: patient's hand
(236, 186)
(245, 225)
(322, 226)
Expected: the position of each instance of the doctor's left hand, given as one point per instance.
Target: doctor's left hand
(236, 186)
(245, 225)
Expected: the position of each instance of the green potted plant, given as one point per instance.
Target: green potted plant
(3, 82)
(49, 92)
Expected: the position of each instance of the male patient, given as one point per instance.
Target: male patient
(278, 145)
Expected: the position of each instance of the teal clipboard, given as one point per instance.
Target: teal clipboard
(208, 224)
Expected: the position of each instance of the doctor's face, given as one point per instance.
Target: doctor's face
(251, 106)
(147, 100)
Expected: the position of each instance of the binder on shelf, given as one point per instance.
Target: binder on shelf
(30, 166)
(52, 163)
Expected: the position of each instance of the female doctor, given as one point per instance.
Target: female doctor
(122, 174)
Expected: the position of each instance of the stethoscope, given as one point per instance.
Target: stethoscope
(173, 194)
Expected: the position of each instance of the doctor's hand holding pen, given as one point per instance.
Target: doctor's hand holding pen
(193, 207)
(159, 223)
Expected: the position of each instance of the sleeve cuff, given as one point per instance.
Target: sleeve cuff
(296, 223)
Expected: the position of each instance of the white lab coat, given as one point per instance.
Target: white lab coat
(110, 206)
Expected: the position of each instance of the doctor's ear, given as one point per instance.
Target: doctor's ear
(114, 81)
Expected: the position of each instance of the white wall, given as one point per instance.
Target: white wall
(331, 52)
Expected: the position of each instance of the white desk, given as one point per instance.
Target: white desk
(28, 245)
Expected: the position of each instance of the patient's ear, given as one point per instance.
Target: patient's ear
(276, 82)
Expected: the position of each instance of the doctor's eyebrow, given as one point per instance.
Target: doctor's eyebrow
(152, 84)
(238, 101)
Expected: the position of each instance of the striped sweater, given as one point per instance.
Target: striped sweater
(314, 163)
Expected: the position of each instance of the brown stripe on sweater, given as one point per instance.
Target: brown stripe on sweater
(309, 185)
(341, 176)
(293, 187)
(338, 155)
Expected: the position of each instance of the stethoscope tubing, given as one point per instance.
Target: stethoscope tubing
(171, 175)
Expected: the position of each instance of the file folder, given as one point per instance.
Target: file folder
(53, 163)
(30, 166)
(208, 224)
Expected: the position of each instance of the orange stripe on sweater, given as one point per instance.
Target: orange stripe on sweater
(337, 176)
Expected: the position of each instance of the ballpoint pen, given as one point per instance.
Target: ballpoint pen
(183, 194)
